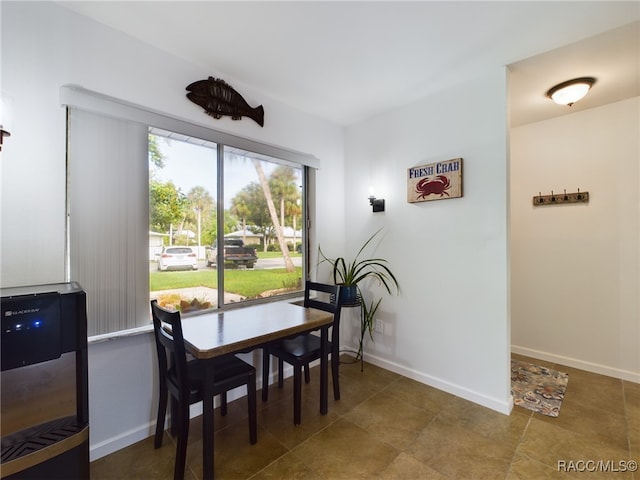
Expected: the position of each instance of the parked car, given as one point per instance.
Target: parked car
(177, 258)
(235, 254)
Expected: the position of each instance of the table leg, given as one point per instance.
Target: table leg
(207, 422)
(324, 362)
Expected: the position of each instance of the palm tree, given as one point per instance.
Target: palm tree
(282, 183)
(240, 208)
(274, 216)
(200, 201)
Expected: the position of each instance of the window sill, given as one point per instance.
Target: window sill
(297, 299)
(120, 334)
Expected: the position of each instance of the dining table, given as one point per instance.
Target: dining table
(211, 335)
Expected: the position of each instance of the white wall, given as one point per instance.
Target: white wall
(45, 46)
(575, 268)
(449, 327)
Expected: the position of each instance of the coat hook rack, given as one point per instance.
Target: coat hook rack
(560, 198)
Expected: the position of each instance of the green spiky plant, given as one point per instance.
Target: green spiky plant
(351, 273)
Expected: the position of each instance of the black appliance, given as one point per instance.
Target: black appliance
(44, 407)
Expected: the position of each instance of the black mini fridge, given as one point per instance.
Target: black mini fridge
(44, 407)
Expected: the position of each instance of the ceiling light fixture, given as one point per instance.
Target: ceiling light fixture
(569, 92)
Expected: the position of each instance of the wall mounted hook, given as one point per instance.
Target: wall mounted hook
(553, 199)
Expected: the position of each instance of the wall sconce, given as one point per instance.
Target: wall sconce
(3, 133)
(5, 118)
(569, 92)
(376, 203)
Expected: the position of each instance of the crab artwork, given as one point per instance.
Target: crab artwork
(435, 181)
(437, 185)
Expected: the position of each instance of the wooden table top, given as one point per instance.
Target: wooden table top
(214, 334)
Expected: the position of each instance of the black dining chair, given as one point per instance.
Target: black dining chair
(301, 350)
(183, 379)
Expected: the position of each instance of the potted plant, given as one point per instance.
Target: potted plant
(349, 273)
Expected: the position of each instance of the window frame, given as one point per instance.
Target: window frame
(83, 99)
(220, 206)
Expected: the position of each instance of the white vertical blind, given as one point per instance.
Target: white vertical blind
(108, 215)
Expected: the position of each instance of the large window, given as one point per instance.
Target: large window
(161, 208)
(211, 246)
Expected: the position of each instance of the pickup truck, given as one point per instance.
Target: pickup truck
(235, 253)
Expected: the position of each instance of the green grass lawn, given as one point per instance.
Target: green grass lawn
(276, 254)
(245, 282)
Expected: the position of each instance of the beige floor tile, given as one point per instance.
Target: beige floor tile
(535, 361)
(139, 461)
(554, 446)
(632, 399)
(375, 377)
(525, 468)
(593, 390)
(420, 395)
(387, 426)
(406, 467)
(459, 452)
(237, 413)
(389, 419)
(287, 467)
(235, 457)
(593, 422)
(277, 419)
(505, 429)
(345, 451)
(632, 411)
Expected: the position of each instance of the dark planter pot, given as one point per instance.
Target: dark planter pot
(349, 294)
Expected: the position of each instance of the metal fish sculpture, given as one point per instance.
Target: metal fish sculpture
(218, 98)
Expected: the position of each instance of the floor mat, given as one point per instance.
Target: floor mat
(538, 388)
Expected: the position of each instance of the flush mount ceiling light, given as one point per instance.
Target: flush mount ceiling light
(569, 92)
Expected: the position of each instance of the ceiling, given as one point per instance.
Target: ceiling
(348, 61)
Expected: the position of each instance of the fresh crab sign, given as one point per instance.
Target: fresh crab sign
(435, 181)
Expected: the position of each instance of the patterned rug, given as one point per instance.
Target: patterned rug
(538, 388)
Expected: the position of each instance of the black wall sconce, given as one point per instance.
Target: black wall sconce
(376, 203)
(3, 133)
(6, 117)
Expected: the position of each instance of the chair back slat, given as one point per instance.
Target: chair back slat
(167, 329)
(327, 298)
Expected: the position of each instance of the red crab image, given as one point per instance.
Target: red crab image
(437, 185)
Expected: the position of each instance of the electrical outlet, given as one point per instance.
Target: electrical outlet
(379, 326)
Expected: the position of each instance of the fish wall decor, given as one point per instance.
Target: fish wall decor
(218, 98)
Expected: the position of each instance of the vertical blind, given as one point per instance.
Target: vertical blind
(108, 217)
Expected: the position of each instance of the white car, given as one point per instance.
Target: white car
(177, 258)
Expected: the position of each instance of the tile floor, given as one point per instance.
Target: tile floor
(389, 427)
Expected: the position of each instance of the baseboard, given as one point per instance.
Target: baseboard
(499, 405)
(113, 444)
(577, 363)
(128, 438)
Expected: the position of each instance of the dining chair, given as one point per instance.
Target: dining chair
(183, 379)
(301, 350)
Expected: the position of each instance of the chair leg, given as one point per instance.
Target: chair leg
(175, 415)
(162, 412)
(280, 373)
(307, 377)
(223, 404)
(183, 435)
(335, 365)
(253, 416)
(297, 394)
(265, 374)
